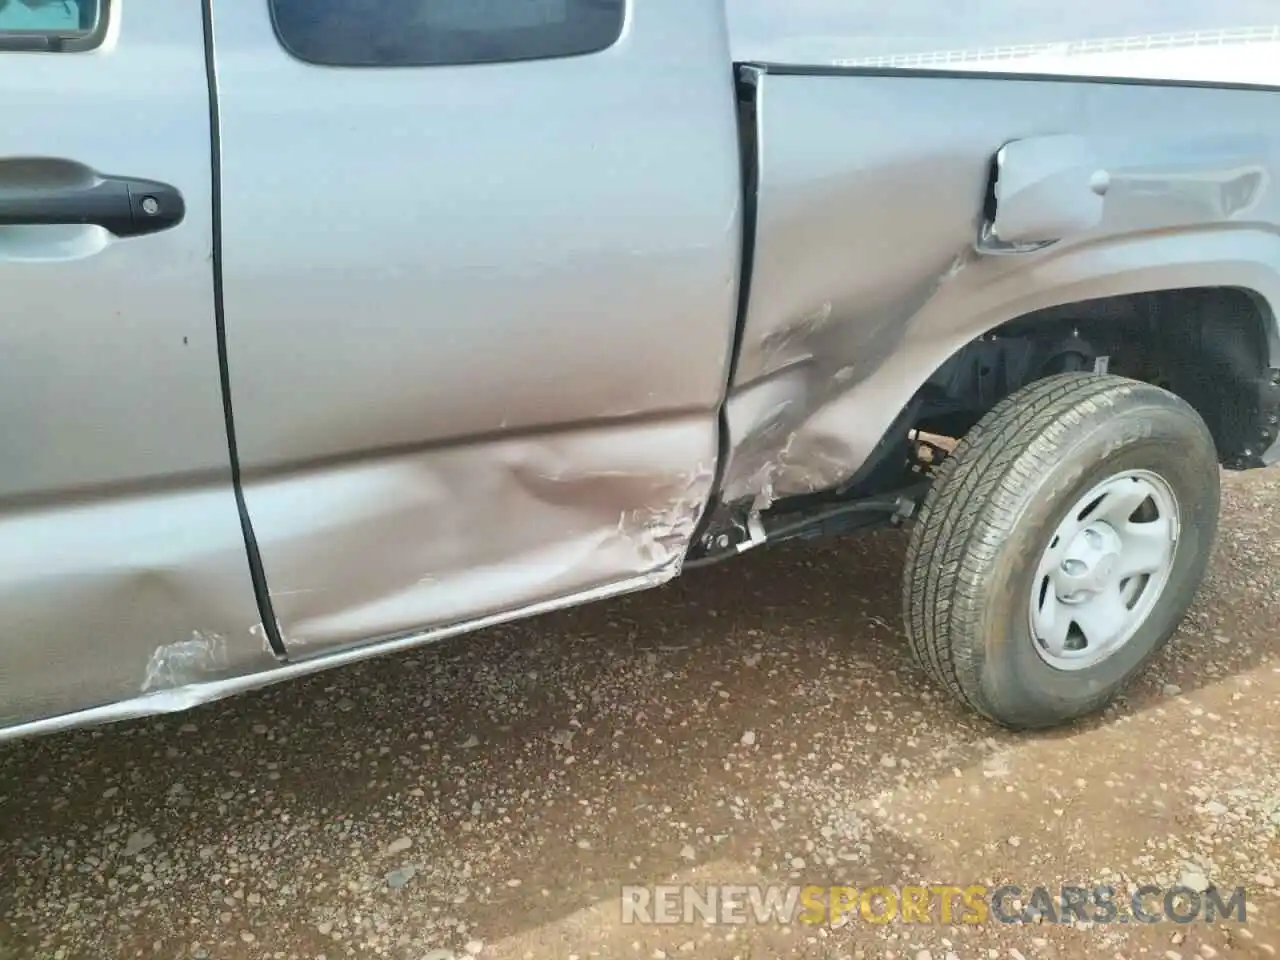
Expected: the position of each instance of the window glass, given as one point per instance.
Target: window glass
(419, 33)
(62, 17)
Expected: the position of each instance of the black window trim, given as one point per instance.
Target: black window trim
(615, 37)
(45, 41)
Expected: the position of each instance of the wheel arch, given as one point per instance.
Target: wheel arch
(1230, 350)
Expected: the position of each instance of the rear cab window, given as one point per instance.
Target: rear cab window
(52, 25)
(427, 33)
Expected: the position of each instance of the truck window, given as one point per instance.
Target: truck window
(427, 33)
(50, 25)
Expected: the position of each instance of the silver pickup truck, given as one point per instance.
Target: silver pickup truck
(331, 327)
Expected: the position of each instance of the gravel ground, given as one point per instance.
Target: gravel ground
(754, 722)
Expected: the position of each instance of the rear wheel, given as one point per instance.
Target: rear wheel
(1060, 546)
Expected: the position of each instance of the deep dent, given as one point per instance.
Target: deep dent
(619, 530)
(479, 529)
(788, 429)
(119, 593)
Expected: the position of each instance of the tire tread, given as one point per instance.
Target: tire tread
(973, 504)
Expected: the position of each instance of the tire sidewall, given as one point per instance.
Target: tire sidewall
(1160, 437)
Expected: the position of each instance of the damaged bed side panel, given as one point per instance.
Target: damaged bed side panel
(872, 195)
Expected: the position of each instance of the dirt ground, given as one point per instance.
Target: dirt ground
(754, 723)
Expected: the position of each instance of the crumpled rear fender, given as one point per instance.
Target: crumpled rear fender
(871, 196)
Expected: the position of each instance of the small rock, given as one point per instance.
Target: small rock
(325, 928)
(399, 846)
(138, 841)
(888, 762)
(247, 937)
(688, 853)
(924, 955)
(1265, 880)
(748, 739)
(470, 743)
(1171, 689)
(1215, 809)
(474, 947)
(1015, 841)
(110, 792)
(1193, 878)
(797, 863)
(1172, 955)
(399, 877)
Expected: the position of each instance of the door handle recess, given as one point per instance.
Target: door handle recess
(124, 206)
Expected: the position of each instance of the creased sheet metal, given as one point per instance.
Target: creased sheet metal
(868, 275)
(450, 535)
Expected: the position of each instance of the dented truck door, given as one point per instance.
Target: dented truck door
(123, 574)
(480, 276)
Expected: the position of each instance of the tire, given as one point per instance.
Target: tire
(976, 549)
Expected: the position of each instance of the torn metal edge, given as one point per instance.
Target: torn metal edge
(179, 664)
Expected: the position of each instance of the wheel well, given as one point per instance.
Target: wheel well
(1212, 346)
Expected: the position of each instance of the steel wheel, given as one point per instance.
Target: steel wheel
(1060, 546)
(1104, 569)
